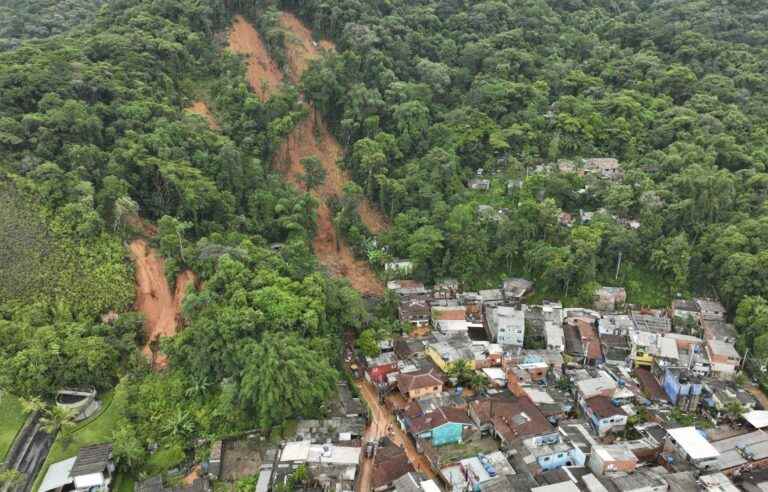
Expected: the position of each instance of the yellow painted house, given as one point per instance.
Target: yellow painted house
(444, 353)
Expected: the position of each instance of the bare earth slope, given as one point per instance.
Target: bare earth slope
(199, 107)
(161, 308)
(265, 78)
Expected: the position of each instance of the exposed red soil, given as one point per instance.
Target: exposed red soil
(160, 307)
(201, 108)
(300, 46)
(310, 137)
(263, 73)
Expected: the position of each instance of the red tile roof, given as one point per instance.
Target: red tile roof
(419, 380)
(438, 417)
(650, 386)
(518, 417)
(390, 463)
(604, 407)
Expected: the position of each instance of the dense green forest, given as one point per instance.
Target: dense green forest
(36, 19)
(96, 145)
(426, 96)
(429, 95)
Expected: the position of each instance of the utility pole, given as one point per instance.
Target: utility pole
(618, 266)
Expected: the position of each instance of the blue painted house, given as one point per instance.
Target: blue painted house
(441, 426)
(683, 388)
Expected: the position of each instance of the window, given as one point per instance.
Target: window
(546, 458)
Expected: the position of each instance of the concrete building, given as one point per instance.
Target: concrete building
(612, 458)
(688, 445)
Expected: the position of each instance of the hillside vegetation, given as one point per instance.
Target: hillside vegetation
(429, 95)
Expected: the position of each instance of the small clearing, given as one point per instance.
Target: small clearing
(201, 108)
(161, 308)
(263, 73)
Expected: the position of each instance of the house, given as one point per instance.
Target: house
(555, 337)
(582, 341)
(510, 419)
(407, 288)
(754, 481)
(407, 348)
(414, 311)
(683, 388)
(723, 358)
(333, 429)
(710, 309)
(565, 486)
(607, 459)
(515, 289)
(441, 426)
(451, 319)
(505, 325)
(604, 415)
(402, 267)
(615, 349)
(615, 324)
(601, 384)
(653, 321)
(335, 466)
(421, 383)
(717, 482)
(480, 184)
(718, 395)
(445, 289)
(610, 298)
(447, 349)
(641, 480)
(742, 452)
(390, 462)
(90, 471)
(604, 168)
(691, 447)
(685, 309)
(377, 368)
(715, 329)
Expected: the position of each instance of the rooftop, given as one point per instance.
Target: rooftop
(603, 407)
(92, 459)
(419, 380)
(614, 452)
(693, 443)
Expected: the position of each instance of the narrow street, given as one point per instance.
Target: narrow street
(381, 417)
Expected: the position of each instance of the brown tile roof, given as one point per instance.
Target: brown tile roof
(438, 417)
(518, 417)
(421, 379)
(389, 464)
(589, 339)
(650, 386)
(449, 314)
(603, 407)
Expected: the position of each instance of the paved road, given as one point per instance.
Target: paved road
(380, 419)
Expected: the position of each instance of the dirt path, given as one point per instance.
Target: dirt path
(201, 108)
(381, 418)
(263, 73)
(160, 307)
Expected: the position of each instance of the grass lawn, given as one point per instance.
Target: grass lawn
(97, 429)
(12, 417)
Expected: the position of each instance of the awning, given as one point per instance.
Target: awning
(756, 418)
(57, 475)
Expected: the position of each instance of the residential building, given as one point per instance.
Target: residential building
(717, 329)
(377, 368)
(653, 321)
(742, 452)
(91, 470)
(446, 350)
(402, 267)
(390, 462)
(407, 288)
(691, 447)
(683, 388)
(414, 311)
(505, 325)
(604, 415)
(441, 426)
(610, 298)
(515, 289)
(615, 324)
(723, 357)
(601, 384)
(555, 336)
(641, 480)
(421, 383)
(607, 459)
(604, 168)
(685, 309)
(710, 309)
